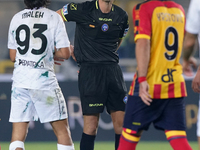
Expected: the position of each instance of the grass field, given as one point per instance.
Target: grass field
(98, 146)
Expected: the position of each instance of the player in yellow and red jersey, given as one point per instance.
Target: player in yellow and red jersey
(158, 89)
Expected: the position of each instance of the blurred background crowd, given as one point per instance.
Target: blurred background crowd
(68, 69)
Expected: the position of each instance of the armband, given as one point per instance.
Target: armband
(141, 79)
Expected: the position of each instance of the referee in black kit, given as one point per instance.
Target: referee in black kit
(100, 27)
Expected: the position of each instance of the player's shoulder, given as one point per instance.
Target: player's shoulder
(173, 4)
(152, 4)
(17, 17)
(18, 14)
(51, 13)
(146, 4)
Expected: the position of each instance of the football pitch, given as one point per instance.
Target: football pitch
(98, 146)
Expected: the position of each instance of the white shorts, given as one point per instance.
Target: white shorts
(30, 104)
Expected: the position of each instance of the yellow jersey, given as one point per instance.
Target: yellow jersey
(163, 22)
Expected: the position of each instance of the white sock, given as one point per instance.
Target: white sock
(65, 147)
(16, 144)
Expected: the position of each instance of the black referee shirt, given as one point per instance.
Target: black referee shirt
(97, 34)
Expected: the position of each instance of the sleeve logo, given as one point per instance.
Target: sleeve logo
(73, 6)
(65, 10)
(126, 31)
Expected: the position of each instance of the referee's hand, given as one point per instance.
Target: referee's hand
(72, 52)
(144, 93)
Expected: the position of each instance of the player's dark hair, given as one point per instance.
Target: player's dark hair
(36, 3)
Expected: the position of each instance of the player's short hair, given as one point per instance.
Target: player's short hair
(31, 4)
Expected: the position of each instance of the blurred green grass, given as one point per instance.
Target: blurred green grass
(98, 145)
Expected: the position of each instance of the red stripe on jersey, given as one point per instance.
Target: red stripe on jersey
(183, 92)
(131, 88)
(131, 91)
(157, 91)
(171, 91)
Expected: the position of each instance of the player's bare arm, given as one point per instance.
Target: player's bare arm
(196, 82)
(143, 56)
(58, 59)
(12, 54)
(59, 12)
(63, 53)
(188, 49)
(188, 45)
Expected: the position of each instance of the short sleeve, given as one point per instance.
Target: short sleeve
(61, 37)
(72, 12)
(193, 17)
(11, 36)
(141, 22)
(125, 27)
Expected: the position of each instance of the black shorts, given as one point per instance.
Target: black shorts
(101, 85)
(165, 114)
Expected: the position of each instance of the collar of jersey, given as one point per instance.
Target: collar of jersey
(97, 5)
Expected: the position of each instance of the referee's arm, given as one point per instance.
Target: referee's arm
(119, 43)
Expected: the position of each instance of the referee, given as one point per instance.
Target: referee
(100, 27)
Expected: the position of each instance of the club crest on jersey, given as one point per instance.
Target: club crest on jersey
(104, 27)
(65, 10)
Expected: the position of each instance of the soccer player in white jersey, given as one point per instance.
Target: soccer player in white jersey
(192, 33)
(36, 36)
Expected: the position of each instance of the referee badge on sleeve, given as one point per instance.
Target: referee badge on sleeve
(125, 32)
(65, 10)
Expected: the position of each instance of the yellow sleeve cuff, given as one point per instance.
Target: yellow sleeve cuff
(63, 15)
(141, 36)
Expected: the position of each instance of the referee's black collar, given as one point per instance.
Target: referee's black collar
(97, 6)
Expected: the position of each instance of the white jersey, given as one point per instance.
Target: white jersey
(34, 34)
(193, 17)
